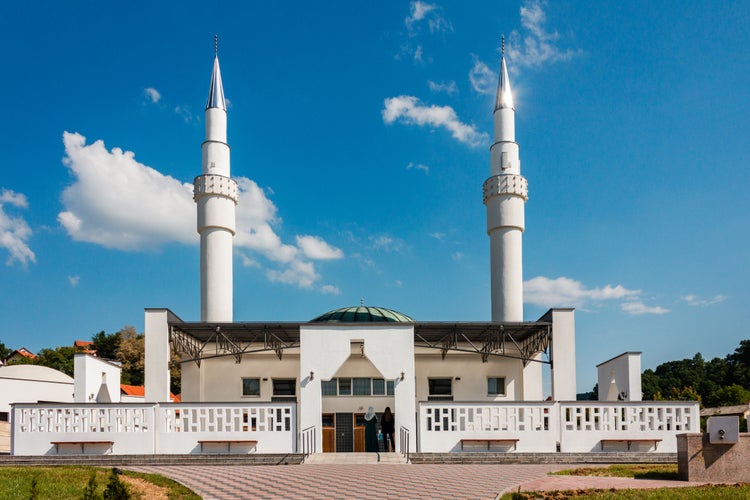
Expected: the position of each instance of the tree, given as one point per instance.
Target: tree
(4, 351)
(106, 344)
(675, 394)
(131, 353)
(729, 396)
(60, 358)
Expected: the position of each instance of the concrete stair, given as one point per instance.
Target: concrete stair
(355, 458)
(543, 458)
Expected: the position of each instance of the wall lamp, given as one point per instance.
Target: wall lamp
(312, 375)
(402, 375)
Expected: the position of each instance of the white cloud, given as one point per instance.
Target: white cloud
(152, 94)
(298, 273)
(536, 46)
(409, 110)
(419, 11)
(438, 236)
(566, 292)
(117, 202)
(14, 230)
(185, 113)
(330, 290)
(482, 79)
(449, 88)
(457, 256)
(637, 308)
(387, 243)
(315, 248)
(418, 54)
(74, 280)
(695, 301)
(418, 166)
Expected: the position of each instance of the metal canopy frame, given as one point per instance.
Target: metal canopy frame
(510, 340)
(232, 339)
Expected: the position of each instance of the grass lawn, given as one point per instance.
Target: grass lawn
(71, 482)
(644, 471)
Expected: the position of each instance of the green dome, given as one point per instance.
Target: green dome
(363, 314)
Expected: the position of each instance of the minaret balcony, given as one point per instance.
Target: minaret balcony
(216, 185)
(506, 185)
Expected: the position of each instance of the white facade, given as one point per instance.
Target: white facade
(96, 380)
(619, 378)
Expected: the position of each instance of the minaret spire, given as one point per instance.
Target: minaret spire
(505, 194)
(216, 195)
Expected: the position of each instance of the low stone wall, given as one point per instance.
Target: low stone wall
(699, 460)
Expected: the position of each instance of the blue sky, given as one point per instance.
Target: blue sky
(360, 135)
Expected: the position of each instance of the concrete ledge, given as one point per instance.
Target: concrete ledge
(544, 458)
(124, 460)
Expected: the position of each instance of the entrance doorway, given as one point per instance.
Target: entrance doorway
(343, 432)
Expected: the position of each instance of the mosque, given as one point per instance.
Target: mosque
(280, 387)
(345, 360)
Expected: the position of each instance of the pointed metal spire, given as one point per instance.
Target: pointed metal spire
(216, 91)
(504, 97)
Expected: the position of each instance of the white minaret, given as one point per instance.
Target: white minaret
(216, 196)
(505, 194)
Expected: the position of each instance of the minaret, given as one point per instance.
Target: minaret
(505, 194)
(216, 196)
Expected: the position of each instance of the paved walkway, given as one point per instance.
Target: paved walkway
(384, 480)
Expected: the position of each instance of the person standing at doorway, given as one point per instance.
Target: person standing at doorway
(388, 427)
(371, 431)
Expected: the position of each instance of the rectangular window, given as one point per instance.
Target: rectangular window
(345, 387)
(440, 389)
(251, 387)
(378, 387)
(284, 387)
(328, 387)
(496, 386)
(362, 387)
(389, 387)
(4, 416)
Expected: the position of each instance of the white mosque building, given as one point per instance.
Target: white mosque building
(283, 387)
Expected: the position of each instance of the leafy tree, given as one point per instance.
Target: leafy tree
(59, 358)
(116, 489)
(131, 353)
(729, 396)
(175, 372)
(675, 394)
(4, 351)
(649, 384)
(106, 344)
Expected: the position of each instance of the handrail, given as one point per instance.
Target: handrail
(308, 441)
(403, 442)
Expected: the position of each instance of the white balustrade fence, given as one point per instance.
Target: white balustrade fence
(444, 424)
(637, 426)
(555, 426)
(145, 428)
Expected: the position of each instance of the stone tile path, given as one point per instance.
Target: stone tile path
(360, 475)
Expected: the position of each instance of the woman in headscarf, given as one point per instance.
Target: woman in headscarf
(371, 430)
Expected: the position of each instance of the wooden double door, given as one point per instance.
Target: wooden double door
(343, 432)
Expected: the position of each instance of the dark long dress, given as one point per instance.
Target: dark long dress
(371, 434)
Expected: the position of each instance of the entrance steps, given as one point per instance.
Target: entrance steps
(355, 458)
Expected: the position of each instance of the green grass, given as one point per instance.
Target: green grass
(70, 482)
(639, 471)
(711, 492)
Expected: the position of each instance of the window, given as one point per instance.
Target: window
(329, 387)
(345, 387)
(4, 416)
(496, 386)
(285, 387)
(389, 387)
(251, 387)
(378, 387)
(440, 389)
(362, 387)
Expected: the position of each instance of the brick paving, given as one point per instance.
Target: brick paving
(347, 481)
(562, 483)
